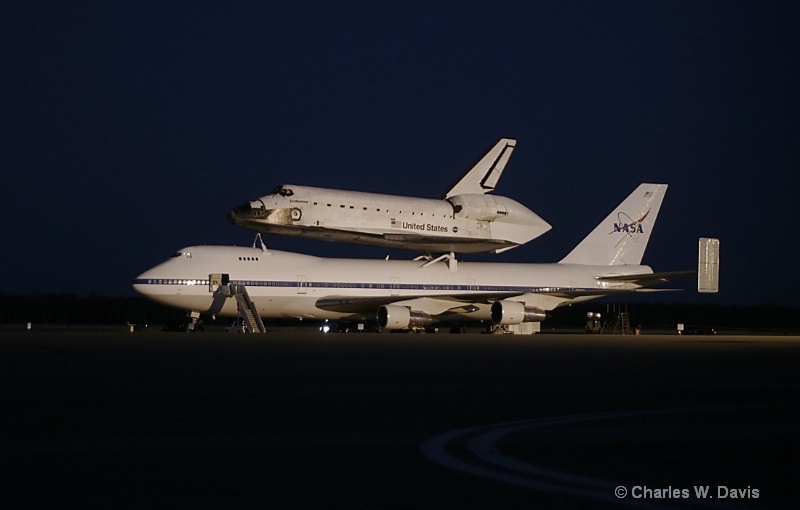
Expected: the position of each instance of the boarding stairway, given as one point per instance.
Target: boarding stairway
(221, 287)
(247, 310)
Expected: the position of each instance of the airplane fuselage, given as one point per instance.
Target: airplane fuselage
(466, 223)
(292, 285)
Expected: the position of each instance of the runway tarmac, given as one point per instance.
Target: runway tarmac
(296, 420)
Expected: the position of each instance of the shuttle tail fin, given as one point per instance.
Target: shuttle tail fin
(482, 177)
(622, 237)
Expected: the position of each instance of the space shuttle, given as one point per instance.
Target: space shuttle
(466, 219)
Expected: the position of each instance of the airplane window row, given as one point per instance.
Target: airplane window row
(177, 282)
(249, 259)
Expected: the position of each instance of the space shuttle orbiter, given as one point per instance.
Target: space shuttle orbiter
(466, 220)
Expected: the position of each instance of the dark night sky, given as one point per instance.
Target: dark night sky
(129, 129)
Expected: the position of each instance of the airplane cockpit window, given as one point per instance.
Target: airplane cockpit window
(186, 254)
(284, 192)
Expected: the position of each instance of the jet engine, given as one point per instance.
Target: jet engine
(507, 312)
(401, 317)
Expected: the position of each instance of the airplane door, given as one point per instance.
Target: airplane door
(395, 286)
(217, 279)
(302, 284)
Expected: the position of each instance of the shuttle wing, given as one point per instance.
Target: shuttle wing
(415, 242)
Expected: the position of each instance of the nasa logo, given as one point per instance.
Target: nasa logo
(628, 225)
(629, 228)
(455, 230)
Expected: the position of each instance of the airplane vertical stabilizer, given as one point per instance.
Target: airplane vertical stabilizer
(622, 237)
(482, 177)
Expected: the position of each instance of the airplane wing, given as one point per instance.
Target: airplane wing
(436, 304)
(544, 298)
(433, 304)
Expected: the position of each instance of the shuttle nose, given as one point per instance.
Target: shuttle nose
(255, 216)
(244, 214)
(239, 212)
(232, 216)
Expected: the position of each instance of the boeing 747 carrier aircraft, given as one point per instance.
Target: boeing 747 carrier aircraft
(465, 220)
(401, 294)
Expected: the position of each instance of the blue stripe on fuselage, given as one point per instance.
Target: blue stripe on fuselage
(428, 287)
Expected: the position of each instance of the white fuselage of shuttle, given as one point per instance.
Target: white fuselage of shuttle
(466, 223)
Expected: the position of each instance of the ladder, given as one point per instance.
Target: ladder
(620, 323)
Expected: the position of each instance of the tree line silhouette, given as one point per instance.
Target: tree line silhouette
(72, 309)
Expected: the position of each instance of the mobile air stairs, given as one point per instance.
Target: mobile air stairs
(220, 285)
(619, 322)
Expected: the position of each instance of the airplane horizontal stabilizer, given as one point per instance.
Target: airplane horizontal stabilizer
(647, 278)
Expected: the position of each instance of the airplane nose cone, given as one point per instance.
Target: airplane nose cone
(140, 283)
